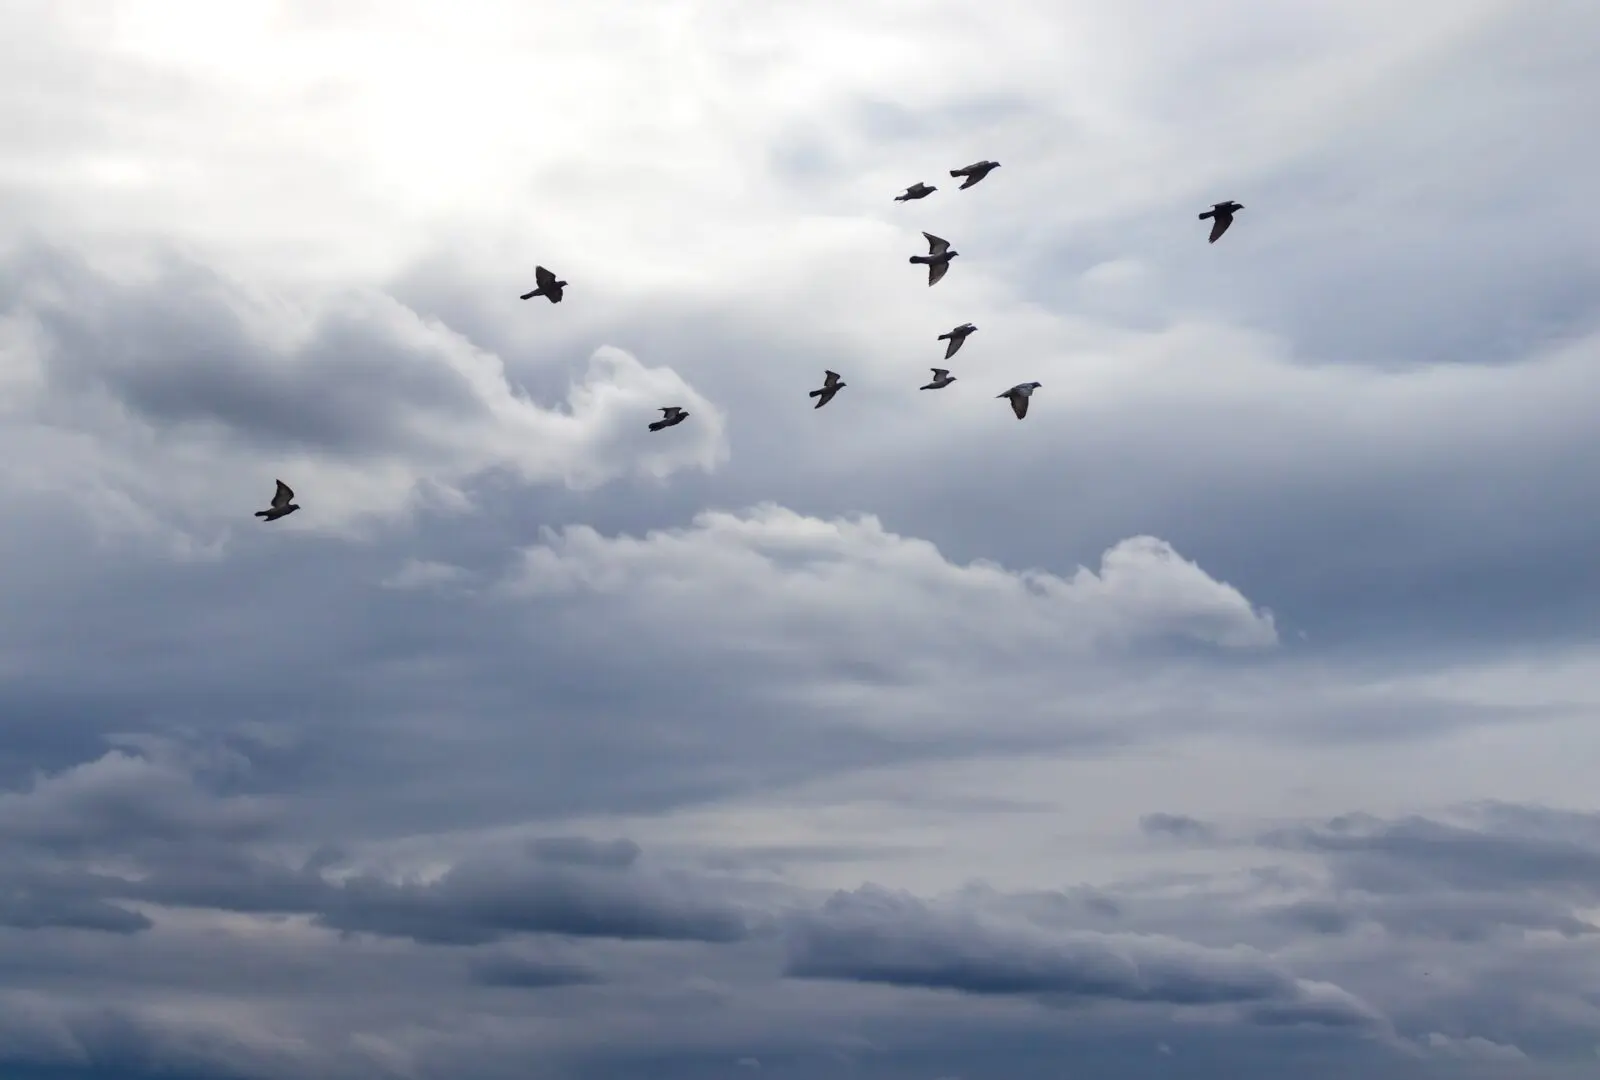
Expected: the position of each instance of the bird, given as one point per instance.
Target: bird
(941, 379)
(548, 286)
(957, 338)
(1223, 213)
(670, 415)
(938, 258)
(283, 504)
(830, 387)
(1019, 395)
(919, 190)
(975, 172)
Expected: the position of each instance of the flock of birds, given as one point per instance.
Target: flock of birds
(937, 260)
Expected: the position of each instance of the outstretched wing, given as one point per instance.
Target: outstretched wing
(830, 378)
(937, 271)
(939, 373)
(936, 246)
(1019, 405)
(1220, 226)
(543, 277)
(955, 343)
(283, 496)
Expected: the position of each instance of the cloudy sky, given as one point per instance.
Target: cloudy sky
(1227, 717)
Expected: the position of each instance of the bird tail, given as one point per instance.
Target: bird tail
(815, 393)
(531, 295)
(1208, 213)
(262, 513)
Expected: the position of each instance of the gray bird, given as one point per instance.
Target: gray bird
(974, 172)
(1223, 213)
(941, 379)
(283, 504)
(548, 286)
(1019, 395)
(670, 415)
(830, 387)
(919, 190)
(938, 258)
(957, 338)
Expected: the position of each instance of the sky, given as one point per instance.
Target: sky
(1231, 716)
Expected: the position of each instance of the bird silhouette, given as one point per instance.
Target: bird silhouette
(937, 259)
(941, 379)
(974, 172)
(1019, 395)
(670, 415)
(1222, 213)
(283, 504)
(830, 387)
(957, 338)
(548, 286)
(919, 190)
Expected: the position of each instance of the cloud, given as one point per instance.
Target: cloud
(362, 400)
(872, 935)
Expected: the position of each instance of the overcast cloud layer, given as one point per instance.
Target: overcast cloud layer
(1232, 716)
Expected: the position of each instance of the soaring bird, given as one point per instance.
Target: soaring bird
(975, 172)
(670, 415)
(830, 387)
(282, 503)
(1019, 395)
(919, 190)
(957, 338)
(941, 379)
(1223, 213)
(938, 258)
(548, 286)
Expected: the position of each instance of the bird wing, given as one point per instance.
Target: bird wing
(830, 378)
(1220, 226)
(936, 246)
(544, 277)
(955, 343)
(669, 410)
(939, 373)
(1019, 404)
(283, 496)
(937, 271)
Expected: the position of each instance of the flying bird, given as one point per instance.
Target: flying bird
(283, 503)
(919, 190)
(938, 258)
(670, 415)
(957, 338)
(974, 172)
(830, 387)
(1019, 395)
(1223, 213)
(548, 286)
(941, 379)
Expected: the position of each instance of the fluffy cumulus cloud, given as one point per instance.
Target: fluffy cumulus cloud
(1232, 714)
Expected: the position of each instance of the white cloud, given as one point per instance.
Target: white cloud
(855, 585)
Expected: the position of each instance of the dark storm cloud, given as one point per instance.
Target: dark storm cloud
(873, 935)
(175, 348)
(526, 973)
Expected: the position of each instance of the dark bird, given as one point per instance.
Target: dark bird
(282, 503)
(919, 190)
(548, 286)
(830, 387)
(938, 258)
(957, 338)
(1019, 395)
(1223, 213)
(974, 172)
(941, 379)
(670, 415)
